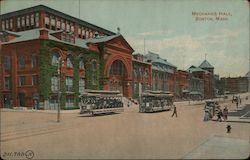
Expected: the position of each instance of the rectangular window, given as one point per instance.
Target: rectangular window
(37, 19)
(7, 24)
(67, 27)
(11, 24)
(53, 23)
(27, 20)
(81, 85)
(21, 62)
(7, 62)
(34, 80)
(58, 23)
(47, 21)
(34, 61)
(23, 22)
(72, 29)
(22, 80)
(3, 25)
(32, 22)
(54, 84)
(7, 83)
(69, 84)
(63, 24)
(18, 22)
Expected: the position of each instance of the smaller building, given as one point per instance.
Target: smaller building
(163, 72)
(142, 73)
(234, 84)
(181, 85)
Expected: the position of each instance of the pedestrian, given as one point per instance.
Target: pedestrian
(128, 103)
(207, 114)
(237, 103)
(229, 128)
(225, 113)
(174, 112)
(219, 115)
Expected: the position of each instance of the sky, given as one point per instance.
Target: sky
(169, 28)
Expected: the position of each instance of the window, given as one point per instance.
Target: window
(70, 61)
(54, 83)
(83, 33)
(81, 85)
(53, 23)
(27, 20)
(70, 102)
(33, 61)
(32, 22)
(18, 22)
(79, 32)
(58, 24)
(63, 24)
(23, 22)
(3, 25)
(11, 24)
(22, 80)
(72, 29)
(34, 79)
(7, 83)
(7, 63)
(55, 59)
(7, 24)
(94, 78)
(47, 21)
(81, 64)
(37, 20)
(69, 84)
(67, 27)
(21, 62)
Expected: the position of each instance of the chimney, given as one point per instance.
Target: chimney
(44, 34)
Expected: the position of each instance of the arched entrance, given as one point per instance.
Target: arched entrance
(117, 76)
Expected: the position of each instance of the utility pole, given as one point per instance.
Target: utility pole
(60, 62)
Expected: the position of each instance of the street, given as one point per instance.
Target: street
(126, 135)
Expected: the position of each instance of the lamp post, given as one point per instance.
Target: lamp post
(60, 63)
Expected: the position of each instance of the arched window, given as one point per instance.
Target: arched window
(94, 65)
(81, 64)
(55, 59)
(70, 61)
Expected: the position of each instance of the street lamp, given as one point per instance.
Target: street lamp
(59, 65)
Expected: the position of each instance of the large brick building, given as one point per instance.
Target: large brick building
(34, 40)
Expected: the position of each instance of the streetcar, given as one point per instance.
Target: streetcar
(153, 101)
(100, 101)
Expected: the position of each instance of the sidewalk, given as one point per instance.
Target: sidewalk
(218, 147)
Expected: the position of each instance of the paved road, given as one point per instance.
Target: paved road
(127, 135)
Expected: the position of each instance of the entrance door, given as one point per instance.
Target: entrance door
(22, 99)
(117, 75)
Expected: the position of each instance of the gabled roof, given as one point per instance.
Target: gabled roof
(205, 64)
(104, 39)
(155, 58)
(195, 69)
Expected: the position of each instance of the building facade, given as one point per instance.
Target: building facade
(91, 57)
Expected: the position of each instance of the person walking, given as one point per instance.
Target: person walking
(174, 112)
(225, 113)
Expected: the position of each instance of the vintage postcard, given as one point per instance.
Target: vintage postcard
(124, 79)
